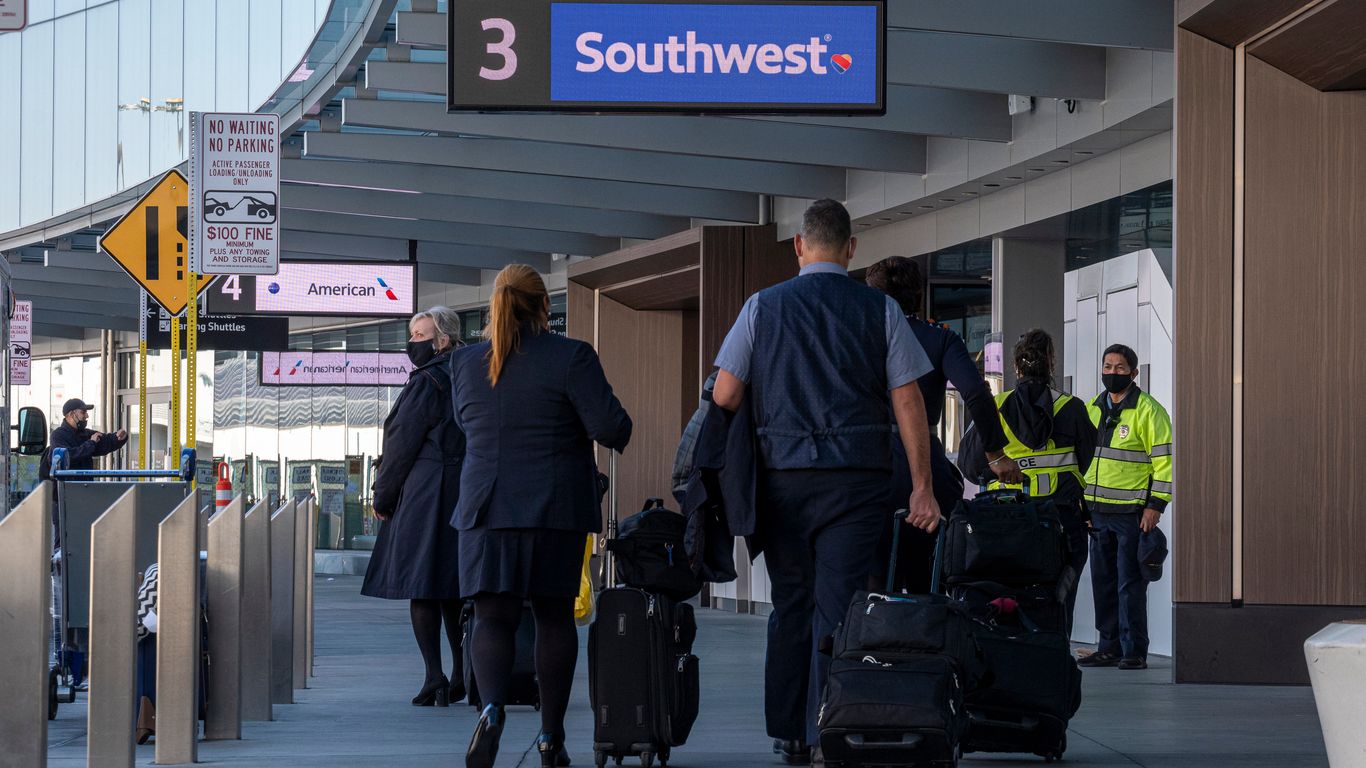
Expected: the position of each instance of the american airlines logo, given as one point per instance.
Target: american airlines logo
(351, 289)
(689, 55)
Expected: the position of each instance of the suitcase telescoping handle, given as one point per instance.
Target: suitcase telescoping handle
(608, 558)
(898, 520)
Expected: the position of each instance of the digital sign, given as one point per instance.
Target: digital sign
(698, 57)
(335, 369)
(302, 288)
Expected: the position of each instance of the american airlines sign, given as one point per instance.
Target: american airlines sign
(335, 369)
(352, 288)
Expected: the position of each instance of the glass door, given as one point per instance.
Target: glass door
(158, 428)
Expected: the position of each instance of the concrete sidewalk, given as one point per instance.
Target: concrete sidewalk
(357, 712)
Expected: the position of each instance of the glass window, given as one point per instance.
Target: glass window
(10, 61)
(264, 69)
(201, 25)
(1121, 225)
(966, 309)
(231, 54)
(167, 119)
(101, 102)
(68, 129)
(135, 95)
(35, 124)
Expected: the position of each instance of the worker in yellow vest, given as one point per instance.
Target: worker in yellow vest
(1050, 436)
(1128, 486)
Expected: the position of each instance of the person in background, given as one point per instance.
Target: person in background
(825, 360)
(83, 445)
(416, 552)
(1050, 437)
(531, 404)
(899, 277)
(1128, 486)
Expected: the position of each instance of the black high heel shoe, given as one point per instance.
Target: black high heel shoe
(487, 732)
(553, 753)
(434, 693)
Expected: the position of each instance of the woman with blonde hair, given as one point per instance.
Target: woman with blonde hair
(531, 404)
(414, 493)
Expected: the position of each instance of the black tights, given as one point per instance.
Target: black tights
(427, 618)
(557, 650)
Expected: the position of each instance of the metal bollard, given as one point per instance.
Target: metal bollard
(26, 629)
(282, 558)
(311, 559)
(178, 631)
(113, 633)
(223, 719)
(256, 615)
(303, 577)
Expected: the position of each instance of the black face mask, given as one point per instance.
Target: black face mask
(1116, 383)
(421, 352)
(81, 424)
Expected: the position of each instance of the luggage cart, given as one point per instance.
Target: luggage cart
(65, 641)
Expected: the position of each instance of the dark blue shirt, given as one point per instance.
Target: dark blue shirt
(953, 364)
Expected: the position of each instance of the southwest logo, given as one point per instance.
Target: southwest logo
(842, 62)
(387, 290)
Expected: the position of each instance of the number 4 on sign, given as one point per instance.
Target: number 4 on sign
(232, 286)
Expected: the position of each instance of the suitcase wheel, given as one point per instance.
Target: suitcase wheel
(1056, 754)
(52, 701)
(647, 759)
(599, 758)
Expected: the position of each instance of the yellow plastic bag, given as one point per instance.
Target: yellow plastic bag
(585, 605)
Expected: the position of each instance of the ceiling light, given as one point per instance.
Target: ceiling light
(947, 200)
(969, 194)
(1061, 162)
(1014, 178)
(1035, 170)
(991, 185)
(1085, 152)
(884, 218)
(927, 206)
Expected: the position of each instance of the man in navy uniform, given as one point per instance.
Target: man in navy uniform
(82, 445)
(824, 358)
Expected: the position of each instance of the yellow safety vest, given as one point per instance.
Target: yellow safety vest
(1043, 467)
(1133, 463)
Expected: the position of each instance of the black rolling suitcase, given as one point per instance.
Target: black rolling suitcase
(1006, 564)
(642, 676)
(901, 667)
(523, 690)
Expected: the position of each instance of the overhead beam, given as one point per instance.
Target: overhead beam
(76, 292)
(475, 210)
(1111, 23)
(802, 181)
(709, 137)
(483, 258)
(92, 305)
(58, 331)
(995, 65)
(443, 232)
(928, 111)
(428, 272)
(425, 30)
(45, 315)
(530, 188)
(312, 245)
(90, 278)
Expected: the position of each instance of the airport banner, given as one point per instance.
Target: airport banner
(335, 369)
(234, 193)
(671, 56)
(312, 288)
(226, 332)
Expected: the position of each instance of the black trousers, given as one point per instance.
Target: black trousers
(915, 556)
(817, 528)
(1120, 591)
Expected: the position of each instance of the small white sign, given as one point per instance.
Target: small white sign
(21, 343)
(235, 193)
(13, 15)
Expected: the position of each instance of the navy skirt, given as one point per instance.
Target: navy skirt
(527, 562)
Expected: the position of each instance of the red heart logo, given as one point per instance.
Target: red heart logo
(842, 62)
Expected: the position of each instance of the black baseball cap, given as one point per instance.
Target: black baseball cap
(75, 404)
(1152, 552)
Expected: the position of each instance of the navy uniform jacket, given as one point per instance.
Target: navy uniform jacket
(80, 449)
(954, 365)
(529, 441)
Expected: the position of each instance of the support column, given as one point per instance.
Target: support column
(1027, 292)
(178, 631)
(282, 558)
(256, 615)
(26, 629)
(223, 720)
(113, 633)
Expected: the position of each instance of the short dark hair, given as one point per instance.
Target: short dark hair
(1130, 356)
(1034, 355)
(826, 224)
(898, 277)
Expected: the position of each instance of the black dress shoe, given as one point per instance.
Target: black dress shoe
(551, 748)
(1098, 660)
(484, 743)
(793, 751)
(1134, 662)
(434, 693)
(456, 692)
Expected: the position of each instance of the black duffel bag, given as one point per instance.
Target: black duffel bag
(1005, 537)
(649, 553)
(895, 628)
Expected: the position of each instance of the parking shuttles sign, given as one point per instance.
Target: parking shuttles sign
(235, 193)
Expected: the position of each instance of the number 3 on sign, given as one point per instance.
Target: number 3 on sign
(502, 48)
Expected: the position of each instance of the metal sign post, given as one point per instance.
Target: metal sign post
(191, 327)
(144, 443)
(175, 395)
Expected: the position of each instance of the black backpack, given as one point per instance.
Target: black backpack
(649, 550)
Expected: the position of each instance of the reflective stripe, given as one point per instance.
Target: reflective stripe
(1043, 484)
(1162, 487)
(1119, 454)
(1162, 450)
(1116, 494)
(1056, 460)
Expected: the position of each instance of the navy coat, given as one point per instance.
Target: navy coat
(529, 457)
(416, 552)
(80, 449)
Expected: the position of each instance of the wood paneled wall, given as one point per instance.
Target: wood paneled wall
(1203, 411)
(1305, 511)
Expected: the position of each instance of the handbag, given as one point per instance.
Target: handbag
(585, 604)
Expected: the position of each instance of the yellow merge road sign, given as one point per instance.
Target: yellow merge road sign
(149, 242)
